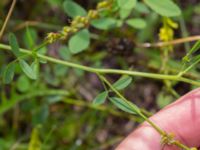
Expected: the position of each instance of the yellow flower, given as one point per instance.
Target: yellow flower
(166, 34)
(167, 30)
(171, 23)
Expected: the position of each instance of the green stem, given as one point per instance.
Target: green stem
(190, 67)
(180, 145)
(157, 128)
(126, 101)
(107, 71)
(110, 71)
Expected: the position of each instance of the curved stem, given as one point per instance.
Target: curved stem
(107, 71)
(157, 128)
(127, 102)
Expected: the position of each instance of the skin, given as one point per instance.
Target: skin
(182, 118)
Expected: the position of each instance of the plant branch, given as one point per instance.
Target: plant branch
(169, 139)
(127, 102)
(190, 67)
(107, 71)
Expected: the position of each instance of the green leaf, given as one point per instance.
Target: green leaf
(128, 4)
(164, 7)
(80, 41)
(30, 37)
(142, 8)
(100, 99)
(73, 9)
(23, 83)
(137, 23)
(27, 69)
(125, 106)
(104, 23)
(124, 13)
(122, 83)
(125, 7)
(8, 73)
(64, 53)
(14, 45)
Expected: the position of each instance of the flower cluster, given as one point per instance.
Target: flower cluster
(79, 22)
(167, 30)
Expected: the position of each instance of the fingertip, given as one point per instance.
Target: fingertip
(181, 118)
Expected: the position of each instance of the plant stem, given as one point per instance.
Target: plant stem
(173, 42)
(37, 24)
(7, 18)
(169, 139)
(127, 101)
(190, 67)
(107, 71)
